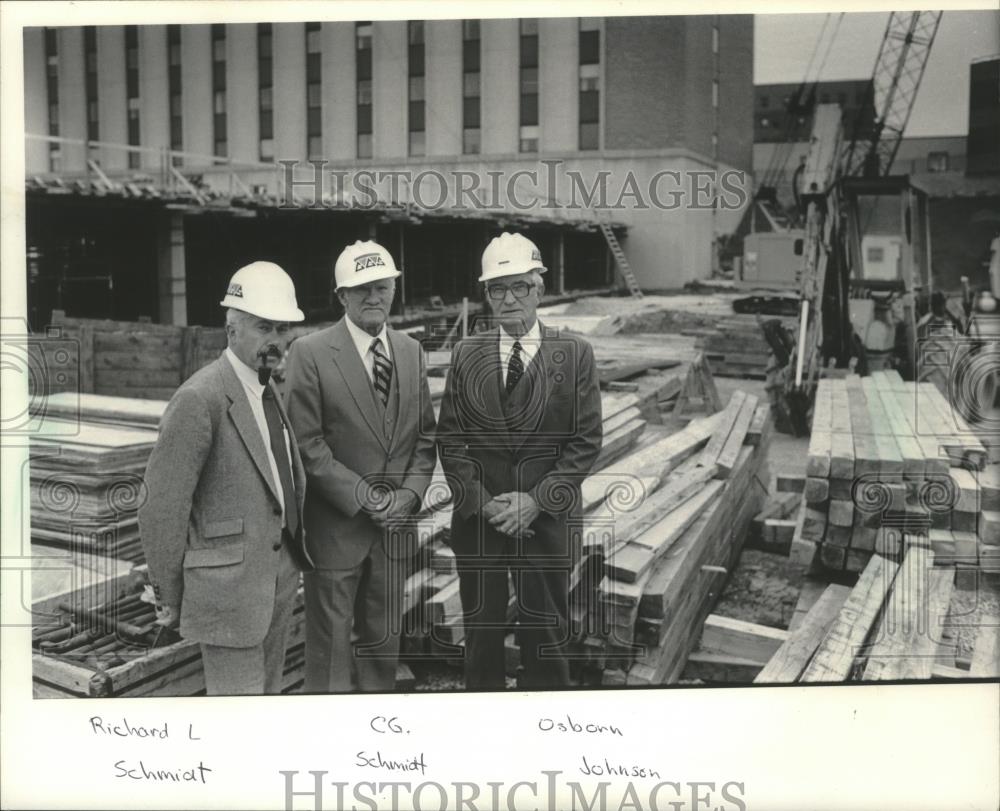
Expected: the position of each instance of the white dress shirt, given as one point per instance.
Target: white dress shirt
(530, 342)
(255, 393)
(363, 343)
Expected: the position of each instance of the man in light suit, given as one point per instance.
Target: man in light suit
(360, 403)
(222, 528)
(519, 429)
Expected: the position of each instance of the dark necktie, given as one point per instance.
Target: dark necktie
(382, 371)
(280, 451)
(515, 367)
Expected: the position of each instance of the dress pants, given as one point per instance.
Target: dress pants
(256, 670)
(366, 599)
(543, 621)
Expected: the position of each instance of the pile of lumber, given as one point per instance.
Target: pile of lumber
(888, 457)
(735, 346)
(111, 650)
(661, 566)
(432, 617)
(897, 622)
(86, 469)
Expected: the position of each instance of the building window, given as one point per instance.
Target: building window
(715, 92)
(529, 85)
(764, 102)
(220, 145)
(90, 81)
(589, 135)
(174, 88)
(415, 60)
(471, 88)
(265, 91)
(715, 39)
(528, 139)
(52, 85)
(937, 162)
(590, 41)
(363, 65)
(314, 91)
(765, 122)
(132, 92)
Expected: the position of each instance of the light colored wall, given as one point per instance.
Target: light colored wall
(242, 106)
(196, 81)
(443, 86)
(500, 97)
(36, 115)
(289, 91)
(339, 91)
(154, 92)
(390, 89)
(72, 97)
(111, 101)
(558, 76)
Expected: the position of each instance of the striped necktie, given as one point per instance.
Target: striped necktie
(515, 367)
(381, 371)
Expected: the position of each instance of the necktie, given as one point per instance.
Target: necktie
(280, 451)
(515, 367)
(382, 371)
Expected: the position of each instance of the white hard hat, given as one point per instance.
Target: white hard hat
(510, 255)
(263, 289)
(362, 263)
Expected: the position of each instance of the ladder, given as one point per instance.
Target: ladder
(623, 266)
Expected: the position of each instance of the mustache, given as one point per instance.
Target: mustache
(270, 350)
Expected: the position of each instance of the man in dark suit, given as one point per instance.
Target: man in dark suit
(360, 403)
(519, 429)
(222, 528)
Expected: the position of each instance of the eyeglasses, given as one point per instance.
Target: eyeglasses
(498, 292)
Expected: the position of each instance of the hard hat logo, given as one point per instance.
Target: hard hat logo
(510, 255)
(263, 289)
(363, 263)
(369, 260)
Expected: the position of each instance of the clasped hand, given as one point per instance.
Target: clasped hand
(512, 514)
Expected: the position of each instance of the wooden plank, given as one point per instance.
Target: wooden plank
(866, 455)
(723, 428)
(88, 368)
(759, 425)
(788, 662)
(816, 491)
(789, 483)
(746, 640)
(890, 459)
(812, 589)
(734, 442)
(835, 655)
(630, 562)
(986, 651)
(908, 635)
(720, 668)
(989, 528)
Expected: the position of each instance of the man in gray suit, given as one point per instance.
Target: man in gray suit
(222, 528)
(360, 403)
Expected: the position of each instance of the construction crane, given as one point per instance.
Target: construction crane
(838, 186)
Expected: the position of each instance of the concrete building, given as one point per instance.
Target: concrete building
(635, 101)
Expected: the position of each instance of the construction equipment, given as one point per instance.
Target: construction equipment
(863, 260)
(620, 259)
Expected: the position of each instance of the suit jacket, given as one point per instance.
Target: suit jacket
(213, 515)
(542, 439)
(332, 405)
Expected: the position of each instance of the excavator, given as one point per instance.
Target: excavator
(864, 276)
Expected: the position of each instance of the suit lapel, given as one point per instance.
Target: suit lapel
(405, 380)
(347, 360)
(484, 384)
(246, 425)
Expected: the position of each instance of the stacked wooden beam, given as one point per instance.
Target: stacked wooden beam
(735, 346)
(887, 456)
(662, 566)
(86, 468)
(889, 626)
